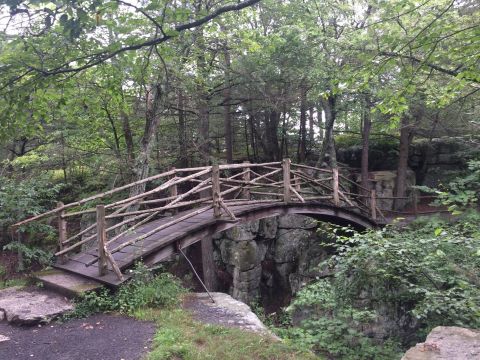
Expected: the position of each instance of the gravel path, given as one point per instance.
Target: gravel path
(98, 337)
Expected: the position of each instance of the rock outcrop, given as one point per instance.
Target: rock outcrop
(225, 311)
(273, 254)
(447, 343)
(29, 307)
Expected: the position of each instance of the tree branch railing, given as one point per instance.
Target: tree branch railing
(194, 191)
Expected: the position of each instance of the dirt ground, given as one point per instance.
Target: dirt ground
(98, 337)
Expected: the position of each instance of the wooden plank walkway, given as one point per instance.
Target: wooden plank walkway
(161, 244)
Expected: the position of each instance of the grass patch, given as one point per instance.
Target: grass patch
(180, 337)
(21, 282)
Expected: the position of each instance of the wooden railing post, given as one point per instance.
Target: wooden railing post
(246, 178)
(373, 204)
(336, 198)
(101, 239)
(287, 196)
(216, 190)
(296, 182)
(62, 231)
(173, 190)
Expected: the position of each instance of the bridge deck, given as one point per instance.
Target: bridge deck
(162, 244)
(127, 256)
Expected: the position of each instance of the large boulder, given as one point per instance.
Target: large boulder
(31, 306)
(447, 343)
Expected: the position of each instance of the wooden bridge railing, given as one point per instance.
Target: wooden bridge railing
(194, 191)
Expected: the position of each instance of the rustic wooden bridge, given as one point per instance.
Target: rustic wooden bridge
(181, 206)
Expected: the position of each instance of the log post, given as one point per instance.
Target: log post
(216, 190)
(246, 178)
(287, 196)
(336, 198)
(101, 239)
(373, 204)
(62, 231)
(173, 190)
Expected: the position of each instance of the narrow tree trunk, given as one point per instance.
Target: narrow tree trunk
(127, 135)
(367, 124)
(227, 119)
(182, 131)
(320, 123)
(302, 141)
(401, 180)
(311, 130)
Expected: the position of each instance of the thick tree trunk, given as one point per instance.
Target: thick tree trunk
(367, 124)
(302, 141)
(328, 144)
(270, 138)
(152, 118)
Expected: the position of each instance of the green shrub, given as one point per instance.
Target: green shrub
(428, 272)
(142, 291)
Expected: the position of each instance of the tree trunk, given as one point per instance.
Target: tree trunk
(152, 118)
(227, 119)
(367, 124)
(182, 131)
(302, 141)
(406, 137)
(320, 122)
(127, 134)
(401, 180)
(270, 137)
(328, 144)
(311, 130)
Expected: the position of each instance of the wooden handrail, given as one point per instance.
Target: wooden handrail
(280, 181)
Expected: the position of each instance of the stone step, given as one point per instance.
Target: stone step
(65, 283)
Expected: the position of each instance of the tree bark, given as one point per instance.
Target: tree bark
(182, 131)
(401, 180)
(407, 124)
(367, 124)
(152, 117)
(328, 144)
(227, 118)
(311, 130)
(302, 141)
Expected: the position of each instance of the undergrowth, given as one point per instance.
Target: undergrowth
(143, 290)
(180, 337)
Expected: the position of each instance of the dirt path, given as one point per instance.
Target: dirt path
(98, 337)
